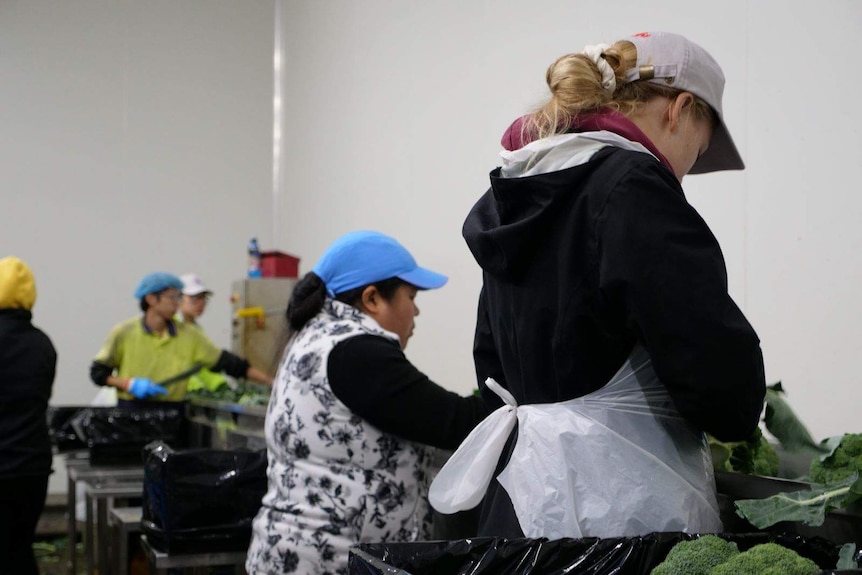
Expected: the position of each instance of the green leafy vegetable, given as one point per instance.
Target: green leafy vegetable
(840, 462)
(846, 557)
(696, 557)
(756, 456)
(767, 559)
(782, 423)
(809, 506)
(244, 394)
(829, 445)
(753, 457)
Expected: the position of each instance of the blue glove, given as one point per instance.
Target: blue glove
(141, 387)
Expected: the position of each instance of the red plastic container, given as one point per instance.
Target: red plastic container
(277, 264)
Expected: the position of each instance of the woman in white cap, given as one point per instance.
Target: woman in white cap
(195, 296)
(594, 264)
(349, 415)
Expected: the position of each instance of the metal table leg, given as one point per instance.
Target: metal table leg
(120, 550)
(71, 526)
(102, 478)
(89, 543)
(100, 499)
(102, 533)
(122, 521)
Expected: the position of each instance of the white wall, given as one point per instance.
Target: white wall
(395, 110)
(134, 137)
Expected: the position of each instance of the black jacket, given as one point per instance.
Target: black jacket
(27, 366)
(581, 263)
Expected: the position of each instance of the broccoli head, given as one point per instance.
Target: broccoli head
(767, 559)
(753, 457)
(844, 461)
(696, 557)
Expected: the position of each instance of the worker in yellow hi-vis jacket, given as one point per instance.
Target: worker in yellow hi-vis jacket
(144, 351)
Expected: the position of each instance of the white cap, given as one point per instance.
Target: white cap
(672, 60)
(192, 285)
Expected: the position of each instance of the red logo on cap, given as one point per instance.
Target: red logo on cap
(641, 35)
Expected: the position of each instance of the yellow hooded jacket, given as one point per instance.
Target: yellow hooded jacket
(28, 364)
(17, 286)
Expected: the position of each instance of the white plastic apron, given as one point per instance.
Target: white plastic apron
(618, 462)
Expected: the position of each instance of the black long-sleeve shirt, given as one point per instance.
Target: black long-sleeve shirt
(372, 376)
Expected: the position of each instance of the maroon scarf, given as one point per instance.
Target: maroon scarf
(515, 137)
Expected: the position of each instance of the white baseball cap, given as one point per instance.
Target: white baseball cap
(674, 61)
(192, 285)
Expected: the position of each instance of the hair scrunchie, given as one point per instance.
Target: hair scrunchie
(609, 79)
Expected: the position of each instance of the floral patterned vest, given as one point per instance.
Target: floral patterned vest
(334, 479)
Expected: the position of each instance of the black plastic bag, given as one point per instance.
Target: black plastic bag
(588, 556)
(60, 429)
(201, 500)
(116, 436)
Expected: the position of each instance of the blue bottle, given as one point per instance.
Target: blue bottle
(253, 259)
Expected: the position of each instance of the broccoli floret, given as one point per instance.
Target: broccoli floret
(696, 557)
(753, 457)
(767, 559)
(765, 459)
(844, 462)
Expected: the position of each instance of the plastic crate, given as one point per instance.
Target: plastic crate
(275, 264)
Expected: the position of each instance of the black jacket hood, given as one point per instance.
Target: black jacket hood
(511, 221)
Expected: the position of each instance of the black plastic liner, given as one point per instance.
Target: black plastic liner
(588, 556)
(201, 500)
(60, 429)
(116, 436)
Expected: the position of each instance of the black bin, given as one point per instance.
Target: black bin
(116, 436)
(201, 500)
(587, 556)
(60, 429)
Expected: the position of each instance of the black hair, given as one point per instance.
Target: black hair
(306, 300)
(308, 295)
(387, 289)
(145, 305)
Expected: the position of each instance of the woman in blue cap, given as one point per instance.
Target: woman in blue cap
(349, 415)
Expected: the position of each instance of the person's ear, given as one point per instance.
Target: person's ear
(371, 300)
(679, 108)
(152, 299)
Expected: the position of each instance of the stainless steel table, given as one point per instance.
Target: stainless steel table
(160, 561)
(222, 425)
(123, 521)
(103, 493)
(78, 468)
(74, 461)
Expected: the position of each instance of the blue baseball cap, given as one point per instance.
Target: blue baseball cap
(156, 282)
(357, 259)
